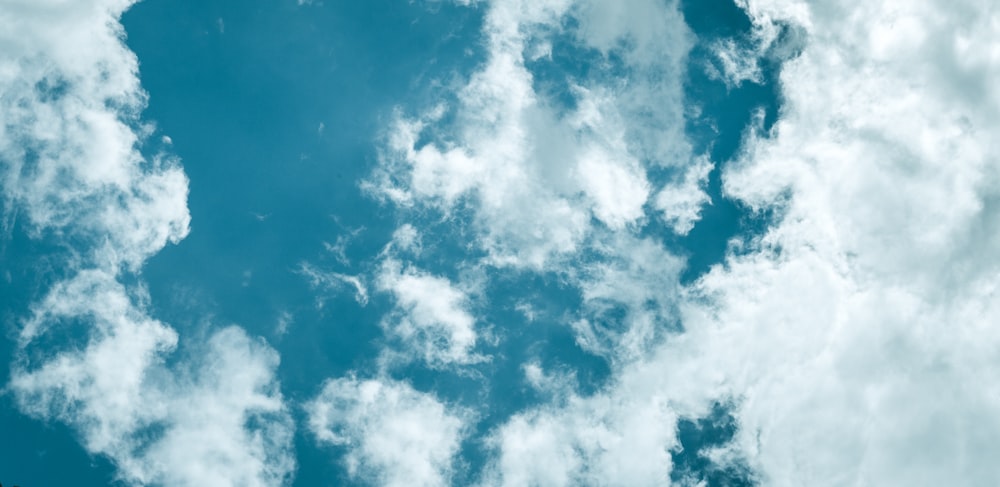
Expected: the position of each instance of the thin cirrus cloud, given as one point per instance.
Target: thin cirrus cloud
(72, 172)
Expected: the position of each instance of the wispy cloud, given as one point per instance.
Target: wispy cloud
(334, 281)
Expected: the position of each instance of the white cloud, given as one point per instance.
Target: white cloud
(638, 277)
(334, 281)
(600, 440)
(734, 64)
(285, 320)
(407, 238)
(855, 339)
(431, 317)
(858, 335)
(217, 418)
(536, 178)
(70, 162)
(654, 40)
(681, 203)
(90, 355)
(394, 435)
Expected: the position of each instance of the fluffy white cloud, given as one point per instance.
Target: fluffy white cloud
(606, 439)
(856, 338)
(394, 435)
(90, 355)
(68, 156)
(535, 177)
(218, 418)
(859, 335)
(639, 279)
(431, 317)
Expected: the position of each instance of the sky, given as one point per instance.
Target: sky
(499, 243)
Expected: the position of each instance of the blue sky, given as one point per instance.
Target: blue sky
(499, 243)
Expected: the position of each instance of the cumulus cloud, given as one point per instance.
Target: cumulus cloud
(431, 317)
(218, 418)
(393, 434)
(89, 354)
(605, 439)
(68, 141)
(547, 185)
(537, 177)
(859, 335)
(854, 340)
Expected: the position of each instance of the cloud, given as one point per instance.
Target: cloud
(629, 297)
(681, 203)
(393, 434)
(334, 281)
(538, 177)
(858, 334)
(431, 316)
(734, 63)
(216, 418)
(89, 354)
(605, 439)
(68, 144)
(853, 340)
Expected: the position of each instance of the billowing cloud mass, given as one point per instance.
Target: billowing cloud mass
(394, 435)
(70, 134)
(72, 171)
(538, 176)
(859, 335)
(854, 340)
